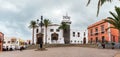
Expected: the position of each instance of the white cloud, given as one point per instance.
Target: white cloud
(15, 15)
(7, 6)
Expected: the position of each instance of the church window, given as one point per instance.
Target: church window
(51, 30)
(91, 32)
(8, 41)
(78, 34)
(57, 30)
(102, 29)
(37, 30)
(73, 34)
(75, 41)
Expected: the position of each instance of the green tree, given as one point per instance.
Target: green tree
(46, 23)
(100, 3)
(66, 30)
(115, 20)
(63, 26)
(33, 25)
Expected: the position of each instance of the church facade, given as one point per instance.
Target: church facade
(59, 36)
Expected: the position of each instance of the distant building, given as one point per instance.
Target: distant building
(28, 42)
(13, 42)
(99, 32)
(59, 36)
(78, 37)
(1, 40)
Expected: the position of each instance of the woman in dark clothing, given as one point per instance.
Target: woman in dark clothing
(6, 48)
(21, 48)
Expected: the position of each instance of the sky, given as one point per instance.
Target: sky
(15, 15)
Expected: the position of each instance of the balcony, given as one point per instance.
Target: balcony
(102, 32)
(91, 34)
(96, 33)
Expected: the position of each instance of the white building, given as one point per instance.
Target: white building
(7, 43)
(56, 35)
(13, 42)
(51, 30)
(78, 37)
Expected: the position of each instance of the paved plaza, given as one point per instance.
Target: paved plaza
(62, 52)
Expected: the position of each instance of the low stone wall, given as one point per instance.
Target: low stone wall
(70, 45)
(63, 45)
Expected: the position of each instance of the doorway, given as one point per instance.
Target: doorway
(84, 41)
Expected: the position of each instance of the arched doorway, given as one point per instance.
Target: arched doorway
(39, 38)
(84, 40)
(54, 36)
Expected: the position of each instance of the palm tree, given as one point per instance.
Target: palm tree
(65, 28)
(46, 23)
(115, 20)
(32, 26)
(100, 3)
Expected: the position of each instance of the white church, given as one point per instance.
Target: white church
(58, 36)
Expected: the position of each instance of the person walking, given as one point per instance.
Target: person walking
(21, 48)
(41, 42)
(103, 45)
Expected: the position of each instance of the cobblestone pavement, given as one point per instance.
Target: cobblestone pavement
(62, 52)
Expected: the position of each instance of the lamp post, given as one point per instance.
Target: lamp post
(40, 34)
(41, 24)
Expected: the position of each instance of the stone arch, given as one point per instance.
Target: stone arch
(54, 36)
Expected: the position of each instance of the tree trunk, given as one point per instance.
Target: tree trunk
(33, 37)
(46, 36)
(66, 35)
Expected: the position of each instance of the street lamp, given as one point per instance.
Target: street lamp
(41, 24)
(40, 35)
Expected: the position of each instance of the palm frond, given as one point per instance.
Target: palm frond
(110, 21)
(114, 15)
(100, 3)
(46, 22)
(110, 27)
(88, 2)
(63, 26)
(115, 20)
(117, 9)
(98, 7)
(32, 24)
(103, 1)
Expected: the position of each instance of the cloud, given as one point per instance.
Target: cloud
(7, 6)
(15, 15)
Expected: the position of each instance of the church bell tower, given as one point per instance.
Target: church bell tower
(66, 33)
(66, 19)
